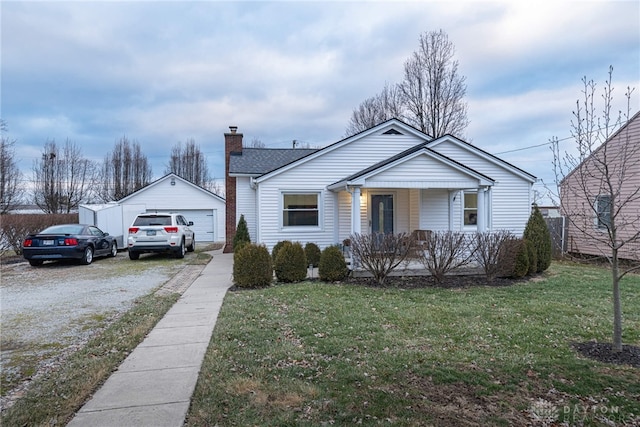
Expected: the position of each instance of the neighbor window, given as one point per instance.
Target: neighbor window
(603, 211)
(300, 209)
(470, 208)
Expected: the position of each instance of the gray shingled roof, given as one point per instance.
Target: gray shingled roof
(258, 161)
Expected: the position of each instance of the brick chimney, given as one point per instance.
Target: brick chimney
(232, 144)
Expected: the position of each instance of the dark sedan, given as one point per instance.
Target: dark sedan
(68, 241)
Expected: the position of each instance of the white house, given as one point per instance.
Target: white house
(391, 178)
(172, 193)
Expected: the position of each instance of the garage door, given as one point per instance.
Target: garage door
(204, 221)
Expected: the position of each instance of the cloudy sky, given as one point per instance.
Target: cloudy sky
(160, 72)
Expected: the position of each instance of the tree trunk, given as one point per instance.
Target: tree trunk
(617, 309)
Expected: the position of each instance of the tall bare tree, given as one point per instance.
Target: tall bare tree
(62, 179)
(433, 90)
(386, 105)
(125, 170)
(11, 188)
(599, 184)
(190, 163)
(430, 97)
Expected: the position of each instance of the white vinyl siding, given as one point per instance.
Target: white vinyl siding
(246, 205)
(510, 198)
(435, 210)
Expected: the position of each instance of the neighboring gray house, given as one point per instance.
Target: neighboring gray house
(171, 193)
(390, 178)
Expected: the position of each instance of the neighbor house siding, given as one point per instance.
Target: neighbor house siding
(576, 205)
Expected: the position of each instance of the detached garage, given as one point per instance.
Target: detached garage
(172, 193)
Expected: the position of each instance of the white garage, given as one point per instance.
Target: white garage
(172, 193)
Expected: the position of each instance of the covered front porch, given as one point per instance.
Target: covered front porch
(416, 190)
(405, 210)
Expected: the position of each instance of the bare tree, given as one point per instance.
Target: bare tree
(386, 105)
(189, 163)
(125, 170)
(599, 189)
(445, 251)
(380, 253)
(432, 88)
(62, 179)
(430, 97)
(256, 143)
(11, 188)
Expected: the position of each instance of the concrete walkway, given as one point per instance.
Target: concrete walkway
(153, 386)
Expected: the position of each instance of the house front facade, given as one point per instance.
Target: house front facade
(606, 187)
(391, 178)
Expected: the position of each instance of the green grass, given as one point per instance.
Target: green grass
(53, 399)
(316, 354)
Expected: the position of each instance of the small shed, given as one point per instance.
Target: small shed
(113, 218)
(172, 193)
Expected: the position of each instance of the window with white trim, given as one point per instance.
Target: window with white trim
(300, 209)
(603, 211)
(470, 209)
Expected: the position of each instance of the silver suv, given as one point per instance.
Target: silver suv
(160, 232)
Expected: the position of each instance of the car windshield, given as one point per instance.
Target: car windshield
(153, 220)
(63, 229)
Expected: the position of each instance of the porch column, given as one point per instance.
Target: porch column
(355, 211)
(481, 218)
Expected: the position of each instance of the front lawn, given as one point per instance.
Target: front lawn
(322, 354)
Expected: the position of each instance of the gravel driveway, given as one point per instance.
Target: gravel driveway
(48, 311)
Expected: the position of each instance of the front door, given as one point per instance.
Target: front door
(382, 213)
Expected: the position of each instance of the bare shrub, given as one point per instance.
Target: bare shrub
(14, 227)
(445, 251)
(380, 253)
(489, 251)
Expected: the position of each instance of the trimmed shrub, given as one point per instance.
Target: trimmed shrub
(312, 252)
(242, 234)
(537, 232)
(332, 266)
(252, 266)
(532, 256)
(491, 249)
(521, 262)
(291, 263)
(276, 249)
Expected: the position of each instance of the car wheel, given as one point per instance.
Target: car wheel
(35, 262)
(192, 246)
(87, 257)
(133, 255)
(114, 250)
(181, 250)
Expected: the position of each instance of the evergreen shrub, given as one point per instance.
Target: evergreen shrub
(532, 255)
(312, 252)
(242, 234)
(537, 232)
(276, 249)
(332, 266)
(291, 263)
(252, 266)
(521, 262)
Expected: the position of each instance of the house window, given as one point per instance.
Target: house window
(603, 211)
(470, 208)
(300, 209)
